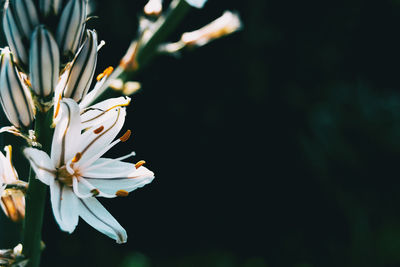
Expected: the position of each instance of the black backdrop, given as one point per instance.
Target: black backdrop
(276, 146)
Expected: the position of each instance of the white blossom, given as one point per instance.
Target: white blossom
(77, 174)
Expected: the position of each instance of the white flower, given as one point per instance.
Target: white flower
(12, 200)
(76, 174)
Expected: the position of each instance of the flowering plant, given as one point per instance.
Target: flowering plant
(46, 74)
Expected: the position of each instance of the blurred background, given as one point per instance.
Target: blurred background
(276, 146)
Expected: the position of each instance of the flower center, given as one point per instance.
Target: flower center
(64, 176)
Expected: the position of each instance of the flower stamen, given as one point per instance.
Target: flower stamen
(139, 164)
(77, 157)
(98, 130)
(106, 72)
(126, 136)
(122, 193)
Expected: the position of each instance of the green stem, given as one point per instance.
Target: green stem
(36, 196)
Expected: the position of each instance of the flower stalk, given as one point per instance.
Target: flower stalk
(36, 195)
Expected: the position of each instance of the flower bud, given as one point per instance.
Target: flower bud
(13, 204)
(82, 69)
(19, 20)
(15, 96)
(44, 62)
(153, 8)
(50, 7)
(228, 23)
(71, 27)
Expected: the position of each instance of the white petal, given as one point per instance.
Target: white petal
(95, 115)
(67, 133)
(98, 217)
(41, 164)
(117, 176)
(196, 3)
(9, 173)
(65, 206)
(2, 187)
(95, 143)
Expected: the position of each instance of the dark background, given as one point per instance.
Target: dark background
(276, 146)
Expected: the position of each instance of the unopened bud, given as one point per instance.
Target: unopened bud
(19, 20)
(153, 8)
(71, 27)
(228, 23)
(50, 7)
(15, 96)
(131, 87)
(82, 69)
(128, 61)
(13, 204)
(44, 62)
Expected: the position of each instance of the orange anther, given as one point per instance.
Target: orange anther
(122, 193)
(98, 130)
(125, 136)
(106, 72)
(77, 157)
(140, 163)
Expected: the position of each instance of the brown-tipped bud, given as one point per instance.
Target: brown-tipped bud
(153, 8)
(13, 204)
(228, 23)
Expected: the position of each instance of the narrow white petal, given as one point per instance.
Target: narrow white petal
(69, 209)
(66, 138)
(96, 141)
(10, 174)
(98, 217)
(2, 187)
(196, 3)
(41, 164)
(95, 115)
(65, 206)
(116, 176)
